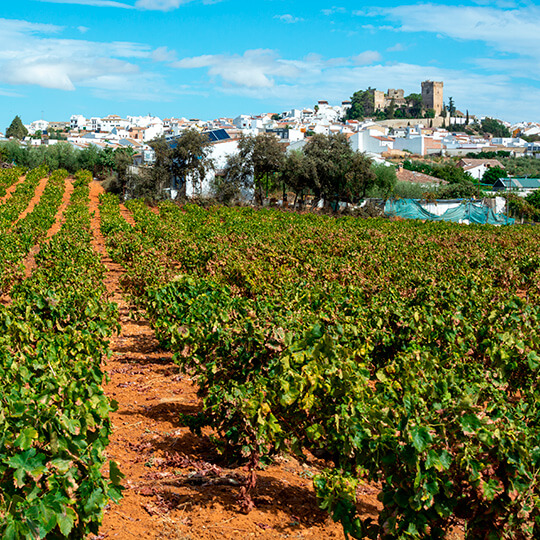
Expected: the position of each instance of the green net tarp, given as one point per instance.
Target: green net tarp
(466, 212)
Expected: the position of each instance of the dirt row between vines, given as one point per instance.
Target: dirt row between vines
(30, 262)
(11, 189)
(176, 485)
(40, 188)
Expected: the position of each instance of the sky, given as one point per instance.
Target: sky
(221, 58)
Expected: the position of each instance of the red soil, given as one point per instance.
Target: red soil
(35, 199)
(30, 262)
(11, 189)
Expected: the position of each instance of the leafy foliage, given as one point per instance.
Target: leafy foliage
(16, 129)
(385, 347)
(495, 128)
(493, 174)
(54, 414)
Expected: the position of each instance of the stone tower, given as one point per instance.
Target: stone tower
(432, 96)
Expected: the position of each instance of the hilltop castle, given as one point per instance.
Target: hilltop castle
(432, 97)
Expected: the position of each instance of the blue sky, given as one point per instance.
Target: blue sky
(210, 58)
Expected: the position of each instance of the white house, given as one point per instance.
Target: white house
(478, 167)
(153, 130)
(37, 125)
(413, 141)
(371, 141)
(78, 121)
(243, 121)
(108, 123)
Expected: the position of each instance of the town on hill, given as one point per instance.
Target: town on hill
(407, 132)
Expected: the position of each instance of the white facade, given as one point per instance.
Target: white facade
(37, 125)
(411, 143)
(371, 141)
(78, 121)
(243, 121)
(108, 123)
(152, 131)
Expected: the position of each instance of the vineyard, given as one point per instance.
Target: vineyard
(229, 372)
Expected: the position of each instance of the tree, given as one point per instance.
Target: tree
(463, 190)
(429, 113)
(414, 101)
(385, 180)
(360, 177)
(534, 199)
(89, 159)
(362, 104)
(495, 128)
(106, 161)
(123, 159)
(467, 118)
(299, 174)
(330, 157)
(451, 107)
(237, 176)
(190, 158)
(391, 109)
(493, 174)
(16, 129)
(160, 173)
(261, 157)
(452, 174)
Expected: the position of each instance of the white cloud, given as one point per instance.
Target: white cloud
(254, 69)
(147, 5)
(367, 57)
(163, 54)
(513, 31)
(83, 29)
(288, 18)
(160, 5)
(8, 93)
(93, 3)
(333, 10)
(396, 48)
(31, 54)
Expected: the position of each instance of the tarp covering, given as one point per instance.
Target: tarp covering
(466, 212)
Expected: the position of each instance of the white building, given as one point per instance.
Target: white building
(243, 121)
(78, 121)
(371, 141)
(37, 125)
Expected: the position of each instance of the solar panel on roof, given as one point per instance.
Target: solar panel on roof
(217, 135)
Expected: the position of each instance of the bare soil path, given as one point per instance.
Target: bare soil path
(177, 486)
(30, 262)
(11, 189)
(34, 201)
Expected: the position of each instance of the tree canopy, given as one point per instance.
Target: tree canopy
(362, 105)
(186, 157)
(493, 174)
(16, 129)
(495, 128)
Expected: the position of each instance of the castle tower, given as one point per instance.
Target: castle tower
(378, 99)
(432, 96)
